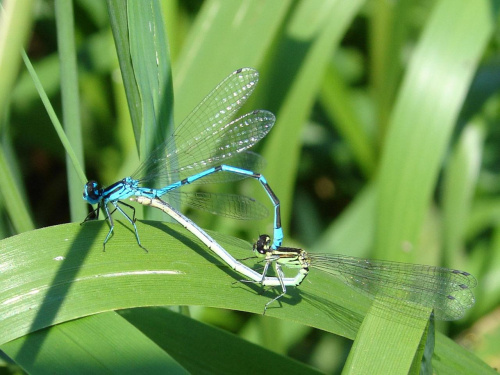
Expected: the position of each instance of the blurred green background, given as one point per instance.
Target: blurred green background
(386, 143)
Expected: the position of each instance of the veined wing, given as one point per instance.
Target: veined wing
(207, 136)
(445, 290)
(227, 205)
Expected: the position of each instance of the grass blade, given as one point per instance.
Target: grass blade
(331, 21)
(211, 349)
(15, 203)
(225, 36)
(460, 182)
(15, 26)
(427, 108)
(55, 121)
(54, 283)
(377, 348)
(70, 103)
(118, 18)
(151, 69)
(91, 345)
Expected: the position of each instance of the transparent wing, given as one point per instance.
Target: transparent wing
(228, 205)
(207, 136)
(235, 137)
(445, 290)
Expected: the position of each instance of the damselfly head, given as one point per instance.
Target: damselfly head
(263, 245)
(92, 193)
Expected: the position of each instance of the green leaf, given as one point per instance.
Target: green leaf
(421, 124)
(91, 345)
(52, 283)
(225, 36)
(50, 275)
(70, 103)
(391, 28)
(319, 25)
(211, 350)
(459, 185)
(13, 197)
(353, 231)
(454, 359)
(427, 345)
(15, 27)
(55, 121)
(151, 68)
(118, 18)
(377, 348)
(340, 105)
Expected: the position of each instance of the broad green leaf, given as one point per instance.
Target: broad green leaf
(377, 348)
(149, 88)
(151, 69)
(427, 107)
(12, 196)
(211, 350)
(118, 18)
(318, 26)
(352, 232)
(454, 359)
(103, 345)
(459, 185)
(390, 28)
(70, 103)
(50, 275)
(52, 282)
(225, 36)
(15, 26)
(95, 344)
(426, 348)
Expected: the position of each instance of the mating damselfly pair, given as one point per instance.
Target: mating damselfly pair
(209, 147)
(199, 152)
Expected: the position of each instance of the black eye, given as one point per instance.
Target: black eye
(92, 191)
(264, 241)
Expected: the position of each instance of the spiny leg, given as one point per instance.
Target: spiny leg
(131, 221)
(280, 275)
(111, 224)
(264, 273)
(131, 207)
(93, 215)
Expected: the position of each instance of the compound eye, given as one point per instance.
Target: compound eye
(264, 240)
(267, 240)
(91, 192)
(263, 244)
